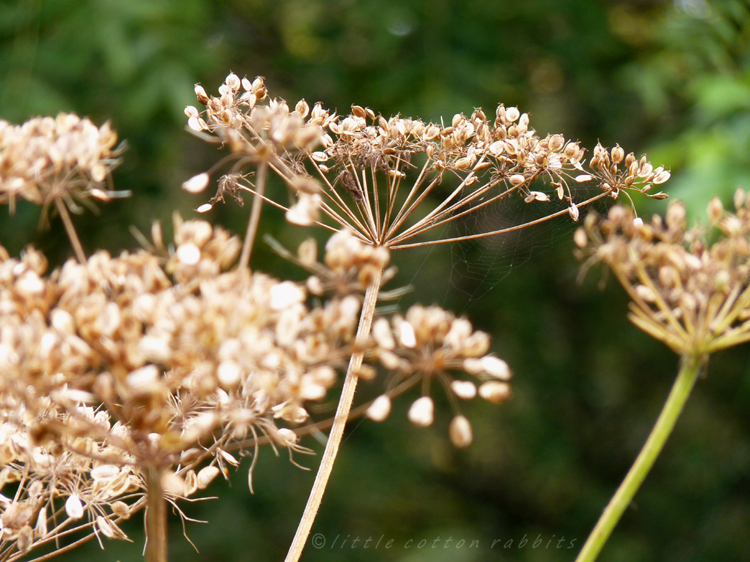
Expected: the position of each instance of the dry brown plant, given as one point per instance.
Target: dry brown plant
(391, 183)
(133, 381)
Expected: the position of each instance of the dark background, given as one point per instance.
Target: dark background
(669, 78)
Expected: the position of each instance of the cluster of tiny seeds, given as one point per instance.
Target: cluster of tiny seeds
(192, 357)
(506, 151)
(349, 264)
(687, 292)
(47, 159)
(618, 171)
(187, 356)
(48, 475)
(269, 132)
(508, 143)
(355, 176)
(427, 344)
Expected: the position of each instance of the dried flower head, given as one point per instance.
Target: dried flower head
(371, 174)
(689, 288)
(431, 345)
(191, 355)
(60, 161)
(48, 158)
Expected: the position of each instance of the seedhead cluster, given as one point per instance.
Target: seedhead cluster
(147, 373)
(689, 288)
(427, 345)
(131, 381)
(48, 158)
(148, 361)
(60, 161)
(383, 179)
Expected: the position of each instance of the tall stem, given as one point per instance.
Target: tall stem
(252, 225)
(156, 518)
(664, 424)
(337, 430)
(70, 229)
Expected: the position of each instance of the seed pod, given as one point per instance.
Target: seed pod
(465, 390)
(495, 392)
(207, 475)
(460, 432)
(422, 412)
(379, 409)
(200, 93)
(74, 507)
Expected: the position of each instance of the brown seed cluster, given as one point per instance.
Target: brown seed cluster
(261, 132)
(619, 172)
(166, 360)
(62, 158)
(349, 264)
(147, 359)
(371, 174)
(173, 357)
(426, 346)
(56, 488)
(689, 288)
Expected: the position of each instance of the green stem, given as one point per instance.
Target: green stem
(670, 412)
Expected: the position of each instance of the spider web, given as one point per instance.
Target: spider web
(477, 267)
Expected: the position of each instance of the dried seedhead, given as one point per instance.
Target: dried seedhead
(426, 346)
(64, 158)
(371, 174)
(172, 359)
(689, 287)
(190, 356)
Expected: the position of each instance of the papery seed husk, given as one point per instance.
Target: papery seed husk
(288, 436)
(495, 367)
(465, 390)
(206, 475)
(40, 529)
(422, 412)
(197, 183)
(120, 509)
(74, 507)
(495, 392)
(379, 409)
(104, 526)
(172, 483)
(460, 432)
(25, 538)
(573, 212)
(191, 483)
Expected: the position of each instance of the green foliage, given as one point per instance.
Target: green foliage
(587, 384)
(695, 83)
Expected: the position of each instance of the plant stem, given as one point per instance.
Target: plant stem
(252, 225)
(339, 421)
(156, 518)
(664, 424)
(71, 231)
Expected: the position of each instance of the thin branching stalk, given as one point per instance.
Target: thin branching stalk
(83, 540)
(156, 518)
(664, 424)
(252, 225)
(339, 422)
(493, 232)
(71, 231)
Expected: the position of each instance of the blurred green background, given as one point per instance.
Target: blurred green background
(670, 78)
